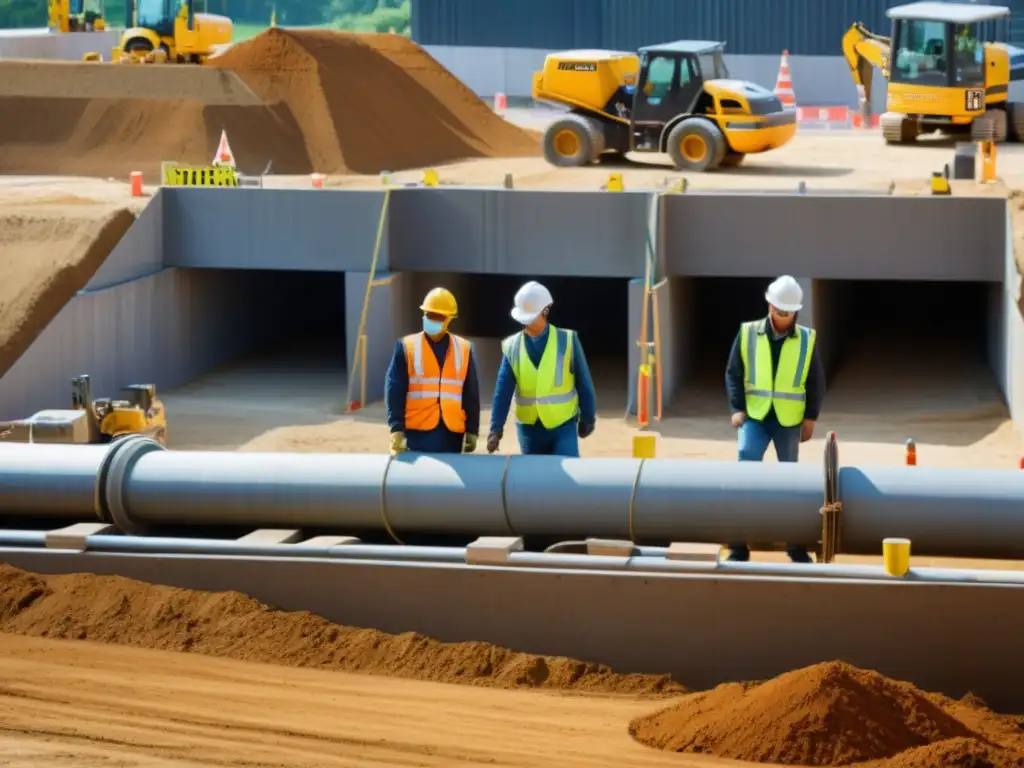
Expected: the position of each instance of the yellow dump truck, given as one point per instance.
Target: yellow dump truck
(944, 77)
(171, 31)
(675, 98)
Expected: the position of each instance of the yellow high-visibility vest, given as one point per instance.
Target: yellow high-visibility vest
(788, 393)
(547, 392)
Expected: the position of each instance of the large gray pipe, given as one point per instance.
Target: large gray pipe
(138, 485)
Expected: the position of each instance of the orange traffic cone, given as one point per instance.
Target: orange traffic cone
(784, 84)
(500, 102)
(224, 156)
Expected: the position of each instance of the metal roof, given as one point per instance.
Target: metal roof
(685, 46)
(590, 54)
(956, 13)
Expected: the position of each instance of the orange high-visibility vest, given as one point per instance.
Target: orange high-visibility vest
(435, 394)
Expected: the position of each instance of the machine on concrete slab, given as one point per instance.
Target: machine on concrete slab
(88, 421)
(942, 75)
(675, 98)
(75, 16)
(169, 31)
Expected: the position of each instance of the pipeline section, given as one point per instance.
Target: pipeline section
(138, 485)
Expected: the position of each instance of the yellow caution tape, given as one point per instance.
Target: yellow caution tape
(194, 176)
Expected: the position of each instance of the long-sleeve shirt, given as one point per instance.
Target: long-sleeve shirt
(734, 374)
(396, 386)
(505, 387)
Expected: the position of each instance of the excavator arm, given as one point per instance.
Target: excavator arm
(864, 51)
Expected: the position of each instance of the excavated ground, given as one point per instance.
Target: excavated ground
(285, 98)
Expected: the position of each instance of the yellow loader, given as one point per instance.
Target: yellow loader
(943, 77)
(675, 98)
(171, 31)
(139, 412)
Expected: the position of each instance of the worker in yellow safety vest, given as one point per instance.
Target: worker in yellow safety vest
(544, 368)
(431, 387)
(776, 386)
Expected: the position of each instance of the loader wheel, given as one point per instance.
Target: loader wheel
(696, 145)
(732, 159)
(572, 142)
(1015, 121)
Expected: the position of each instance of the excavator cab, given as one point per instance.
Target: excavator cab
(76, 16)
(943, 74)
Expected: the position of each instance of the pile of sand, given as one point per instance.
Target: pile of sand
(111, 609)
(329, 102)
(49, 254)
(832, 714)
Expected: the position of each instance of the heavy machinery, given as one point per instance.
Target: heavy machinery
(943, 77)
(683, 103)
(75, 16)
(89, 421)
(171, 31)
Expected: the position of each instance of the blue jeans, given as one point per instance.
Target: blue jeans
(535, 440)
(752, 440)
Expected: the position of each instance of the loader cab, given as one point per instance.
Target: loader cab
(942, 44)
(672, 79)
(160, 15)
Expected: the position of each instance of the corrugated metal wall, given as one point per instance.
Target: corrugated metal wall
(804, 27)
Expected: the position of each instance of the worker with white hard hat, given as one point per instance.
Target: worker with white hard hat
(431, 387)
(544, 368)
(776, 386)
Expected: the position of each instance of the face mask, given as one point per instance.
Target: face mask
(432, 327)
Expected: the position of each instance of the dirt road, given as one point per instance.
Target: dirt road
(79, 704)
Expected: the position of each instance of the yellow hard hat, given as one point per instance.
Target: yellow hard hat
(441, 301)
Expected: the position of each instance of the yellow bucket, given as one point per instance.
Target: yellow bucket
(896, 556)
(644, 446)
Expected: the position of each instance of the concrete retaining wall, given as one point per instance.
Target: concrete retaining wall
(41, 44)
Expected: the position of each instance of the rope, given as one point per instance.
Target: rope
(384, 502)
(632, 501)
(504, 493)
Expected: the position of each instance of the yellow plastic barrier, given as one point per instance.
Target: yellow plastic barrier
(198, 176)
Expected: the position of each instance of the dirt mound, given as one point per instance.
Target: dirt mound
(953, 753)
(828, 714)
(111, 609)
(49, 254)
(330, 102)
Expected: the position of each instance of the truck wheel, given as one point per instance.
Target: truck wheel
(696, 145)
(1015, 120)
(572, 142)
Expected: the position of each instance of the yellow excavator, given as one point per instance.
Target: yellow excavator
(941, 74)
(675, 98)
(75, 16)
(89, 421)
(162, 31)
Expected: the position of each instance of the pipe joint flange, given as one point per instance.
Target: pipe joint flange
(117, 464)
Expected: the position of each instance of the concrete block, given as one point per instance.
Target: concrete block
(330, 541)
(76, 536)
(610, 548)
(492, 550)
(271, 536)
(382, 329)
(693, 552)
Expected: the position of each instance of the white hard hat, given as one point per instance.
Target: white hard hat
(785, 294)
(530, 301)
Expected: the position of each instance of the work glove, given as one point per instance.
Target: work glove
(584, 430)
(398, 443)
(493, 441)
(469, 443)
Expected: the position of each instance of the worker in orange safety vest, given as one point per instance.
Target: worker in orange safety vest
(431, 387)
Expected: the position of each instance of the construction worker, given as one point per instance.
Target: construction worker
(776, 385)
(544, 368)
(431, 387)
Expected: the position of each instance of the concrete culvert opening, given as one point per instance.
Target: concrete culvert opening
(596, 308)
(279, 359)
(913, 359)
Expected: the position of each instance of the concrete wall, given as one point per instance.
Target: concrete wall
(705, 640)
(1006, 332)
(40, 44)
(817, 80)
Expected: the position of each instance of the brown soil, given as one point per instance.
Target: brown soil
(828, 714)
(49, 255)
(953, 753)
(111, 609)
(329, 102)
